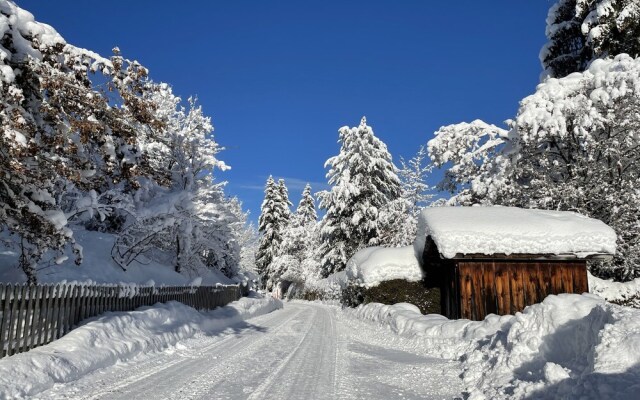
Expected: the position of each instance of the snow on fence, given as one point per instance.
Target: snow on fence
(35, 315)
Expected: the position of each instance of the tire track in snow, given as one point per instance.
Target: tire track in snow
(285, 364)
(114, 384)
(166, 382)
(224, 380)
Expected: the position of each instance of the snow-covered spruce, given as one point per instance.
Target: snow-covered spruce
(363, 181)
(297, 262)
(580, 31)
(115, 337)
(274, 217)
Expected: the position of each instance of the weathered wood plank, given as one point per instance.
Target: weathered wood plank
(477, 302)
(13, 319)
(5, 292)
(502, 289)
(28, 318)
(580, 280)
(489, 289)
(465, 291)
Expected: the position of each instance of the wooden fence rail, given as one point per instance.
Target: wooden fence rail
(34, 315)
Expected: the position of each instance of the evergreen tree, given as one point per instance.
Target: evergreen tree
(284, 204)
(274, 217)
(363, 181)
(267, 227)
(580, 31)
(299, 244)
(306, 211)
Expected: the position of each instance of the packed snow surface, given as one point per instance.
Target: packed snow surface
(116, 337)
(568, 346)
(304, 351)
(511, 230)
(373, 265)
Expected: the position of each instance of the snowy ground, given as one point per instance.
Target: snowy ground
(99, 268)
(304, 351)
(569, 346)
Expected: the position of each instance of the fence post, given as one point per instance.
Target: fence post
(21, 317)
(12, 321)
(28, 318)
(5, 297)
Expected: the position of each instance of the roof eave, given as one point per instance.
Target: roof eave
(542, 257)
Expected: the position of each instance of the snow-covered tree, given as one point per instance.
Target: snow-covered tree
(572, 146)
(59, 130)
(274, 217)
(363, 181)
(181, 215)
(400, 216)
(576, 144)
(472, 154)
(580, 31)
(299, 242)
(306, 211)
(284, 204)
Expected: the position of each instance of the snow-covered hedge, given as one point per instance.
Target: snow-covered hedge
(623, 293)
(114, 337)
(373, 265)
(571, 346)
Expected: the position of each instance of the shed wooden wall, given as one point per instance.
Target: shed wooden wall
(507, 286)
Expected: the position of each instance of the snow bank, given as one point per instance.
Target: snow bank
(568, 346)
(371, 266)
(511, 230)
(627, 293)
(117, 336)
(444, 337)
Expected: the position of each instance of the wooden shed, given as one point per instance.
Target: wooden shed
(498, 260)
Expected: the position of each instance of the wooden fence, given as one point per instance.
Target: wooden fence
(34, 315)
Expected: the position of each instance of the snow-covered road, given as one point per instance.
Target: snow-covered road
(304, 351)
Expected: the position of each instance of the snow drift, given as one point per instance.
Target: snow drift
(117, 336)
(626, 293)
(575, 346)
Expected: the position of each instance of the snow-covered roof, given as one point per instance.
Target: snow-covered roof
(509, 230)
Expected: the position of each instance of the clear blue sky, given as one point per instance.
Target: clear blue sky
(279, 78)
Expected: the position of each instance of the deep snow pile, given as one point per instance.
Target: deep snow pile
(373, 265)
(626, 293)
(118, 336)
(575, 346)
(512, 230)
